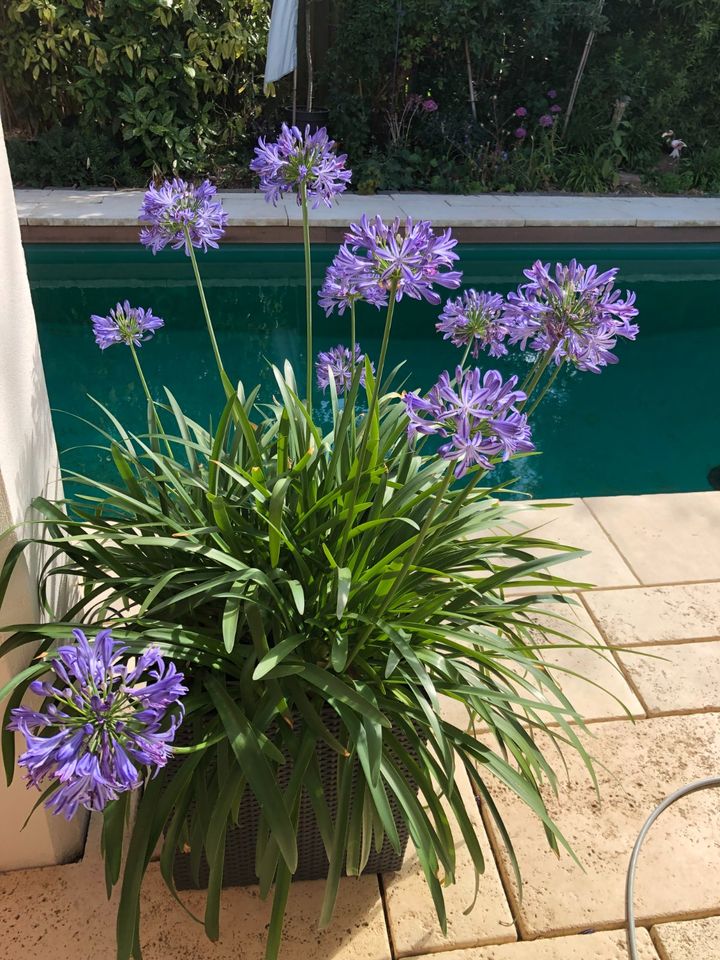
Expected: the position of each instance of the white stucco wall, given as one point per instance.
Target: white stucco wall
(28, 468)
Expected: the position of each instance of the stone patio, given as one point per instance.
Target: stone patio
(656, 561)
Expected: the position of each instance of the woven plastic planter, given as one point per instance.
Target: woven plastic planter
(241, 840)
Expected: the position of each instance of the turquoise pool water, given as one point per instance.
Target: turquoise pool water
(649, 424)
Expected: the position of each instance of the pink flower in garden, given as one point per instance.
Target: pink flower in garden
(521, 112)
(552, 94)
(429, 105)
(520, 133)
(556, 108)
(546, 120)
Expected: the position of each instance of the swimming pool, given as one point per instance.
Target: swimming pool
(647, 425)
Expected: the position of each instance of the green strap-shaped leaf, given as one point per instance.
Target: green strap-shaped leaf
(344, 580)
(246, 747)
(277, 502)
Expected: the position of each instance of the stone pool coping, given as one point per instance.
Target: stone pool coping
(656, 566)
(60, 215)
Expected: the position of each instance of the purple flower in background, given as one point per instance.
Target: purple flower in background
(125, 324)
(101, 725)
(556, 108)
(298, 161)
(576, 314)
(520, 133)
(546, 120)
(338, 362)
(475, 318)
(182, 215)
(552, 94)
(340, 288)
(407, 255)
(478, 418)
(521, 112)
(429, 105)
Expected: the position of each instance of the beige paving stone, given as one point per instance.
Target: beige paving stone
(573, 525)
(637, 766)
(675, 678)
(62, 913)
(688, 611)
(588, 676)
(688, 940)
(665, 538)
(593, 946)
(411, 915)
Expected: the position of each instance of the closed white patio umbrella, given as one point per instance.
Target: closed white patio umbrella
(282, 41)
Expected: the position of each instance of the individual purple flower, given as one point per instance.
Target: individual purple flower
(429, 105)
(474, 318)
(298, 161)
(520, 133)
(125, 324)
(181, 215)
(407, 256)
(340, 288)
(521, 112)
(577, 314)
(546, 120)
(338, 363)
(478, 418)
(552, 94)
(556, 108)
(101, 725)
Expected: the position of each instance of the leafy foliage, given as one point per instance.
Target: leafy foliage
(179, 85)
(286, 573)
(172, 81)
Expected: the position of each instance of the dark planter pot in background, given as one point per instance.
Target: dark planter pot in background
(241, 840)
(312, 118)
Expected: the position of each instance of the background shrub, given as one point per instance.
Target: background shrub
(112, 91)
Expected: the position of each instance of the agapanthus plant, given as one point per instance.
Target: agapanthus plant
(306, 163)
(406, 258)
(473, 320)
(574, 316)
(125, 324)
(181, 215)
(103, 725)
(323, 592)
(339, 363)
(477, 415)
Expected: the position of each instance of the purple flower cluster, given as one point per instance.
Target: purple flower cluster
(101, 725)
(576, 314)
(125, 324)
(475, 319)
(296, 161)
(478, 418)
(337, 363)
(341, 287)
(408, 257)
(181, 214)
(546, 120)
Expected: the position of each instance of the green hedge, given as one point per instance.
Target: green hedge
(161, 84)
(115, 91)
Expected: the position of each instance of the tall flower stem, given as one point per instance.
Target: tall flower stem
(308, 297)
(548, 383)
(227, 385)
(352, 337)
(372, 410)
(146, 389)
(532, 380)
(141, 375)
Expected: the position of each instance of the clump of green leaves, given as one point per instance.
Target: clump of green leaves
(172, 82)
